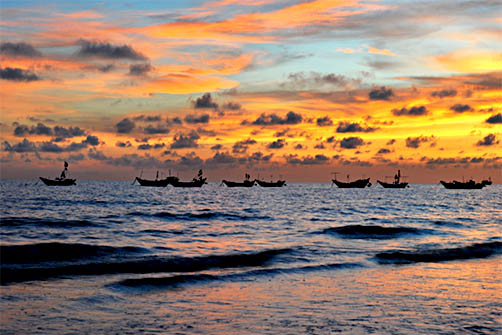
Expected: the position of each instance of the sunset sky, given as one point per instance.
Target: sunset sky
(291, 89)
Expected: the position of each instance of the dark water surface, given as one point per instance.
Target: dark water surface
(111, 257)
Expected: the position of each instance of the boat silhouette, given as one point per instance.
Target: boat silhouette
(359, 183)
(245, 183)
(196, 182)
(157, 182)
(279, 183)
(468, 185)
(61, 181)
(396, 184)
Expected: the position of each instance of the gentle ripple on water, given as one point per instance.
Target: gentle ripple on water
(112, 239)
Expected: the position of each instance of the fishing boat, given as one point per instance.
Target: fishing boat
(61, 181)
(396, 184)
(156, 182)
(279, 183)
(392, 185)
(245, 183)
(469, 185)
(360, 183)
(196, 182)
(58, 182)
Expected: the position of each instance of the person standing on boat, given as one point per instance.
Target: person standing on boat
(63, 173)
(397, 177)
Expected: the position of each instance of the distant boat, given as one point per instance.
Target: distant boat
(58, 182)
(279, 183)
(196, 182)
(469, 185)
(360, 183)
(392, 185)
(245, 183)
(396, 183)
(61, 181)
(156, 182)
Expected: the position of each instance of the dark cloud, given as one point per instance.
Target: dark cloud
(61, 132)
(390, 142)
(278, 144)
(21, 147)
(497, 118)
(308, 160)
(259, 157)
(347, 127)
(106, 68)
(181, 141)
(274, 119)
(151, 130)
(147, 118)
(414, 142)
(383, 151)
(39, 129)
(221, 158)
(216, 147)
(191, 160)
(459, 108)
(351, 142)
(413, 111)
(174, 120)
(234, 106)
(444, 93)
(315, 79)
(381, 93)
(488, 140)
(204, 118)
(148, 146)
(242, 146)
(19, 49)
(125, 126)
(299, 147)
(205, 101)
(140, 69)
(324, 121)
(126, 144)
(16, 74)
(108, 51)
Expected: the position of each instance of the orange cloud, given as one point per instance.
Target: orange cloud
(376, 51)
(469, 61)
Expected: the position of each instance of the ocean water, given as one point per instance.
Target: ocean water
(109, 257)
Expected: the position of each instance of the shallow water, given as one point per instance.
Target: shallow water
(111, 257)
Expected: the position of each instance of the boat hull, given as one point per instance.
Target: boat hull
(392, 185)
(154, 183)
(53, 182)
(194, 183)
(360, 183)
(246, 183)
(457, 185)
(279, 183)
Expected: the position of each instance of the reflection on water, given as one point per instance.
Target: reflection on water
(110, 257)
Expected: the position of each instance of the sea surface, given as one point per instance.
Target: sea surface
(111, 257)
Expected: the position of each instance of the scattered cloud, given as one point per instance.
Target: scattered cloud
(413, 111)
(107, 51)
(348, 127)
(191, 118)
(20, 49)
(16, 74)
(415, 142)
(274, 119)
(444, 93)
(324, 121)
(205, 101)
(459, 108)
(181, 141)
(496, 118)
(488, 140)
(140, 69)
(351, 142)
(277, 144)
(125, 126)
(381, 93)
